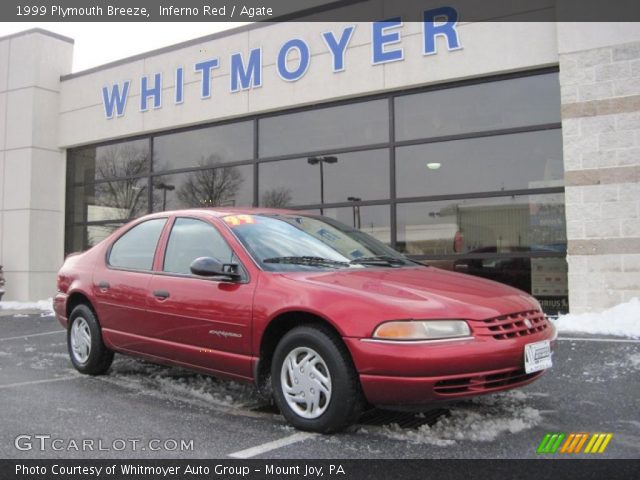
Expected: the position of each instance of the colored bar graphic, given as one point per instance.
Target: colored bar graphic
(605, 443)
(556, 445)
(550, 443)
(574, 442)
(598, 443)
(584, 439)
(543, 444)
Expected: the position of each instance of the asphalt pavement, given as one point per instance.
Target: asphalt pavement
(140, 410)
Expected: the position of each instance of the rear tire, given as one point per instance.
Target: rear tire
(315, 384)
(87, 351)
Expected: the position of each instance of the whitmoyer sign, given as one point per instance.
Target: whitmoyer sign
(292, 62)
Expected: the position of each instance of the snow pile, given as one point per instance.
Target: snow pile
(45, 306)
(622, 320)
(481, 420)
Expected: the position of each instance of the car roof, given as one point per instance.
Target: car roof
(225, 211)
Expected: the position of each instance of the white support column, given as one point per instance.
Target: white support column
(32, 167)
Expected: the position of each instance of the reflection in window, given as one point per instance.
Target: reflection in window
(83, 237)
(497, 105)
(374, 219)
(488, 225)
(363, 175)
(276, 197)
(114, 200)
(124, 199)
(325, 128)
(213, 187)
(544, 278)
(117, 160)
(97, 233)
(228, 143)
(505, 162)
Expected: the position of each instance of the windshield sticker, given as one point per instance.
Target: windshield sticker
(235, 220)
(324, 233)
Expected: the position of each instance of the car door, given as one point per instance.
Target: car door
(203, 322)
(120, 285)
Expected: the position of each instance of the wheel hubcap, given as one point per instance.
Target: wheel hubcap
(306, 382)
(80, 340)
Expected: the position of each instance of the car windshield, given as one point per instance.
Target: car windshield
(286, 242)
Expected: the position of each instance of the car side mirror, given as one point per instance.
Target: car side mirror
(212, 267)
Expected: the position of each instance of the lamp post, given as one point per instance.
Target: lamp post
(164, 187)
(356, 211)
(321, 161)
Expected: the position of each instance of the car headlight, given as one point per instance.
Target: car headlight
(422, 330)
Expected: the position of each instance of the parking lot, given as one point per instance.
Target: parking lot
(140, 410)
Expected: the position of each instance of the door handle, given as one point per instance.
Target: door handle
(103, 284)
(162, 294)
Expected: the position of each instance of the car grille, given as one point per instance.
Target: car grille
(483, 383)
(512, 325)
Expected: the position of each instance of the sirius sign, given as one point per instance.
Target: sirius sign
(246, 71)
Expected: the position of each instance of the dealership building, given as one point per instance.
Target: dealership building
(505, 150)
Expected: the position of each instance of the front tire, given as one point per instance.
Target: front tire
(314, 381)
(87, 351)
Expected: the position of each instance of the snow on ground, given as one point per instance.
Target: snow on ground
(481, 419)
(622, 320)
(46, 306)
(634, 361)
(173, 381)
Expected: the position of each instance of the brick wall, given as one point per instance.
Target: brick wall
(601, 133)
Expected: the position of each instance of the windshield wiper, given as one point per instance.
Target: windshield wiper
(312, 261)
(384, 260)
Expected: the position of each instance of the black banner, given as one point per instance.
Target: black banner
(312, 469)
(314, 10)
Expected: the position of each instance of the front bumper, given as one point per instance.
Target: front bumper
(413, 374)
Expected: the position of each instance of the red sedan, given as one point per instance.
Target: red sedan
(323, 317)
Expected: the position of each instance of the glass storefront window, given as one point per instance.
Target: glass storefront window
(203, 147)
(372, 219)
(497, 225)
(544, 278)
(362, 175)
(82, 237)
(325, 129)
(215, 187)
(516, 102)
(114, 200)
(117, 160)
(504, 162)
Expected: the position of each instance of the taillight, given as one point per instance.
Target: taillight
(63, 283)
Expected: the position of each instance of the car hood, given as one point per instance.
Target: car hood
(424, 290)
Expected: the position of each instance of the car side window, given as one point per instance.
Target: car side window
(135, 249)
(191, 239)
